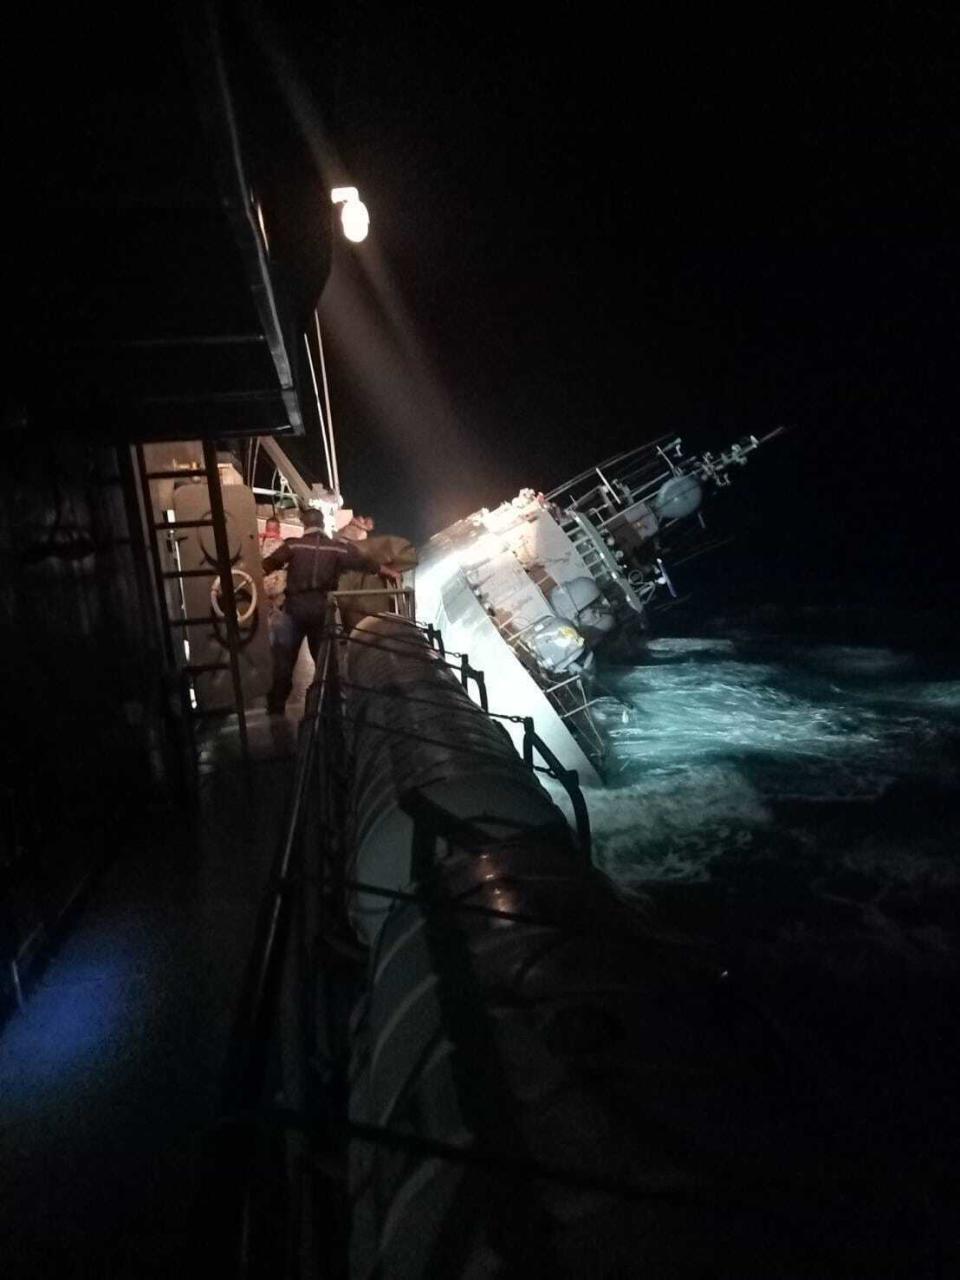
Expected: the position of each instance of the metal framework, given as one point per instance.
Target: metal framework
(593, 510)
(173, 626)
(302, 939)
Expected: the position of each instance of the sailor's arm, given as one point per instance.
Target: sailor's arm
(372, 565)
(362, 562)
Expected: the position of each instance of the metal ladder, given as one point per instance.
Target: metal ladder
(584, 546)
(173, 626)
(600, 560)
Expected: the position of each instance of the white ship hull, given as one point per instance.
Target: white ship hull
(448, 598)
(529, 590)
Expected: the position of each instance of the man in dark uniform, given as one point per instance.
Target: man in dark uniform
(314, 563)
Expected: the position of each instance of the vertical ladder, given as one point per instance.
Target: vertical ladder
(599, 559)
(222, 569)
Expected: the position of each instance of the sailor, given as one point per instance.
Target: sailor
(357, 529)
(274, 584)
(314, 563)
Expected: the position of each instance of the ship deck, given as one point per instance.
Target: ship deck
(111, 1073)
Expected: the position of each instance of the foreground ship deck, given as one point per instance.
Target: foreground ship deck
(111, 1076)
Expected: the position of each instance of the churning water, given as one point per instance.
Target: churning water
(717, 745)
(797, 802)
(792, 810)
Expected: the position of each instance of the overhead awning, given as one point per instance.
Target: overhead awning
(173, 234)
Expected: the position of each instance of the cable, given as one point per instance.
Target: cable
(326, 399)
(323, 429)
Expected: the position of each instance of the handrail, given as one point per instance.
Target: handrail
(401, 598)
(238, 1141)
(275, 936)
(251, 1038)
(373, 591)
(608, 462)
(568, 778)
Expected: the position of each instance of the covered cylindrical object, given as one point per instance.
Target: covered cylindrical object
(414, 730)
(518, 1011)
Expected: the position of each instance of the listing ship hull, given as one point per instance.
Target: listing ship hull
(530, 590)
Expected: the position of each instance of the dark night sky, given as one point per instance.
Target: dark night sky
(592, 225)
(604, 232)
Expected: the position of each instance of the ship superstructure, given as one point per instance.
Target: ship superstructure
(531, 589)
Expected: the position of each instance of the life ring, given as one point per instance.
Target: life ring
(241, 579)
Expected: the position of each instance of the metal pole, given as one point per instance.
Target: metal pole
(481, 688)
(226, 583)
(326, 401)
(528, 741)
(152, 545)
(323, 425)
(286, 468)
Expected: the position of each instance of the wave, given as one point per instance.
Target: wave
(668, 825)
(708, 737)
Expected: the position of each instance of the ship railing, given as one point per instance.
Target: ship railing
(464, 670)
(399, 600)
(570, 703)
(552, 688)
(290, 1216)
(283, 940)
(583, 727)
(610, 467)
(608, 570)
(514, 637)
(584, 730)
(277, 1091)
(619, 490)
(603, 491)
(589, 703)
(568, 778)
(551, 767)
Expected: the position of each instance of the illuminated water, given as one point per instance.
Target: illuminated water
(791, 811)
(727, 743)
(795, 804)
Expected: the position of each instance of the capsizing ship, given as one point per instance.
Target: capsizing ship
(534, 588)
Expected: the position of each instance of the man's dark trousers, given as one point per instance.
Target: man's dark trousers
(304, 614)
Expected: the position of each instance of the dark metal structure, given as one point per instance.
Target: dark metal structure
(167, 239)
(535, 1083)
(463, 1052)
(175, 238)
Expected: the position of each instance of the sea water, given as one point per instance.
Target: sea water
(812, 790)
(789, 812)
(715, 742)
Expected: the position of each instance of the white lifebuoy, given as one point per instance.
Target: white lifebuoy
(240, 579)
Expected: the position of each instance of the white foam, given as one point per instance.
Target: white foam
(917, 867)
(798, 734)
(683, 712)
(712, 740)
(939, 694)
(669, 646)
(847, 659)
(668, 825)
